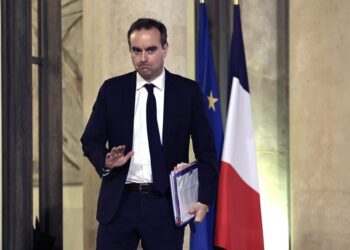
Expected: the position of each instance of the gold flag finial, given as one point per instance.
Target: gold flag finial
(235, 2)
(201, 1)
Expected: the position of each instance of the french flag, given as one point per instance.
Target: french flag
(238, 216)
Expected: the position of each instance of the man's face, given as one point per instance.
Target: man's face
(147, 53)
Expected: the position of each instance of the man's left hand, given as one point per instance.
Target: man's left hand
(200, 210)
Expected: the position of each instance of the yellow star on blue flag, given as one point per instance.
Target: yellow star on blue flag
(212, 100)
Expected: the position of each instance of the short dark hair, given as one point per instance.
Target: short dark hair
(149, 23)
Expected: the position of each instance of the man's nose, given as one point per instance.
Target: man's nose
(144, 56)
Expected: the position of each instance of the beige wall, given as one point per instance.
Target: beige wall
(106, 54)
(319, 123)
(265, 31)
(0, 141)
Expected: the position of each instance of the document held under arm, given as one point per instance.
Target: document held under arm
(184, 191)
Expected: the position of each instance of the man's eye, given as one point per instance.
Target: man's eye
(151, 50)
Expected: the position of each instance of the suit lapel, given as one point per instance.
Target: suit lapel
(170, 98)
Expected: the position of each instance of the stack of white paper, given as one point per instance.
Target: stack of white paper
(184, 191)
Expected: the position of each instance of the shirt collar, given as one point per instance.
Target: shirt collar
(158, 82)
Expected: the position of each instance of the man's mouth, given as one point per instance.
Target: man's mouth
(145, 68)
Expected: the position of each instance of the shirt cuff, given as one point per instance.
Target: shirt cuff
(105, 172)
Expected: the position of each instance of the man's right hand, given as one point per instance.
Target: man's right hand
(117, 158)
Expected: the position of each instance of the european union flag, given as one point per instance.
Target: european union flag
(202, 239)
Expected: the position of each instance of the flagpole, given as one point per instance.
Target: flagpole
(235, 2)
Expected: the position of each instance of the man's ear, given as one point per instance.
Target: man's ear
(165, 48)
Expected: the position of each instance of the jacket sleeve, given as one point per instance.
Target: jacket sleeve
(204, 149)
(94, 138)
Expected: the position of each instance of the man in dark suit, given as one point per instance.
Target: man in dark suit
(138, 131)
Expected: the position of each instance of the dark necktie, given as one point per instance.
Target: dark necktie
(159, 173)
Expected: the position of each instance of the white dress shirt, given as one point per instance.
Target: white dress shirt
(140, 170)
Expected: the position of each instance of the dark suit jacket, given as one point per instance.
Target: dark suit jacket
(111, 124)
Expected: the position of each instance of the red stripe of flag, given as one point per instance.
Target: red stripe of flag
(239, 216)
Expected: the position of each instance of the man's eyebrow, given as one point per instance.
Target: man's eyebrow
(151, 48)
(146, 49)
(136, 48)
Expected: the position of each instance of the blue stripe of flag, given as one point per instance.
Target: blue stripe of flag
(238, 67)
(205, 76)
